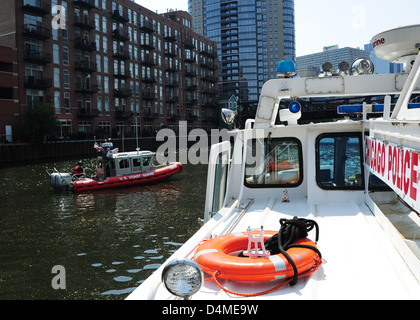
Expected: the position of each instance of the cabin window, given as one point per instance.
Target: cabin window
(124, 164)
(146, 161)
(274, 162)
(339, 161)
(136, 164)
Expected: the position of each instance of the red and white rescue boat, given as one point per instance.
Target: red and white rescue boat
(116, 170)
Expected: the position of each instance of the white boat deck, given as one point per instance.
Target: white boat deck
(367, 237)
(359, 259)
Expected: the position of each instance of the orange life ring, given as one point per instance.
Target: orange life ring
(215, 256)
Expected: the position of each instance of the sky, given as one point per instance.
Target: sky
(347, 23)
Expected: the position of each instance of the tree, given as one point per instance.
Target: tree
(37, 122)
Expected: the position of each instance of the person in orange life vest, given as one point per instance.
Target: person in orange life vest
(78, 170)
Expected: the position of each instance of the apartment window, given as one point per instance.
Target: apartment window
(57, 102)
(135, 35)
(67, 102)
(65, 34)
(99, 82)
(97, 22)
(99, 63)
(65, 56)
(88, 103)
(66, 79)
(34, 95)
(56, 53)
(104, 25)
(99, 104)
(65, 128)
(33, 45)
(98, 41)
(105, 44)
(106, 65)
(56, 77)
(85, 127)
(107, 106)
(31, 21)
(105, 127)
(106, 84)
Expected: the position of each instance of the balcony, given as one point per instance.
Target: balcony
(171, 52)
(123, 93)
(122, 74)
(147, 27)
(148, 60)
(191, 101)
(191, 117)
(208, 64)
(37, 32)
(123, 114)
(189, 72)
(147, 45)
(148, 115)
(171, 37)
(149, 96)
(188, 43)
(87, 113)
(190, 58)
(117, 16)
(88, 4)
(85, 44)
(37, 83)
(122, 55)
(86, 66)
(120, 34)
(37, 57)
(149, 79)
(174, 117)
(171, 99)
(84, 23)
(191, 87)
(172, 83)
(36, 7)
(86, 88)
(171, 67)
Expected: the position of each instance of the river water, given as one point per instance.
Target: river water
(108, 242)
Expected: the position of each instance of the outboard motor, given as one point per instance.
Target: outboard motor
(60, 181)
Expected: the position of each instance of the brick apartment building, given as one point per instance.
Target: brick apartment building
(109, 66)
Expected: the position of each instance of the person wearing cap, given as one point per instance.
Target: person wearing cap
(78, 171)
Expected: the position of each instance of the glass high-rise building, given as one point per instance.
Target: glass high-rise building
(251, 36)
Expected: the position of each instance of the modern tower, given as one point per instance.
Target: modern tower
(251, 36)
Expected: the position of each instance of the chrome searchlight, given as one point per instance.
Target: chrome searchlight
(228, 116)
(362, 66)
(182, 278)
(343, 68)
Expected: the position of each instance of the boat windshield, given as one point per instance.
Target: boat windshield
(339, 161)
(274, 162)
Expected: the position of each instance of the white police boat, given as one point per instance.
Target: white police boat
(313, 211)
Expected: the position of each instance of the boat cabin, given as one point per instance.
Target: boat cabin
(121, 164)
